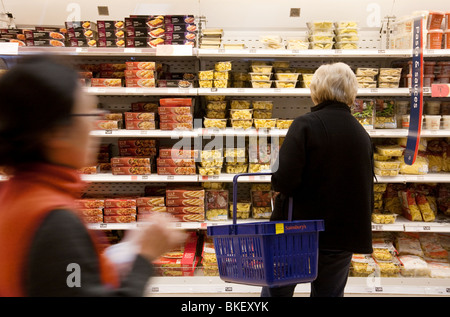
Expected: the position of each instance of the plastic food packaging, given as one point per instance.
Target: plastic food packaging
(287, 76)
(261, 84)
(390, 150)
(433, 122)
(434, 20)
(285, 83)
(215, 123)
(434, 39)
(260, 76)
(322, 45)
(367, 71)
(265, 69)
(384, 218)
(241, 114)
(284, 123)
(413, 266)
(241, 124)
(263, 105)
(265, 123)
(362, 265)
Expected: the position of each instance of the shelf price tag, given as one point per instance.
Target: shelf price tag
(440, 90)
(174, 50)
(9, 48)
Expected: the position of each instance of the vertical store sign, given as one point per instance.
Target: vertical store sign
(415, 120)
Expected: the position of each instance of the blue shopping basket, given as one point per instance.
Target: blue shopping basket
(272, 253)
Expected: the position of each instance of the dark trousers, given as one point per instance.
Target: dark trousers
(331, 279)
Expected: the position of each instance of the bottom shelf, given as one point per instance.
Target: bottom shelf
(213, 286)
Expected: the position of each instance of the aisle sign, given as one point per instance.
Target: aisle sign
(415, 121)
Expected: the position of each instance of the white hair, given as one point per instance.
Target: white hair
(334, 82)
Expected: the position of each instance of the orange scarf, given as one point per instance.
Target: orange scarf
(25, 200)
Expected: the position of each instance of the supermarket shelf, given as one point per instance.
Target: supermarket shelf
(297, 92)
(220, 53)
(145, 133)
(375, 133)
(268, 53)
(127, 91)
(427, 178)
(227, 178)
(108, 178)
(441, 224)
(378, 286)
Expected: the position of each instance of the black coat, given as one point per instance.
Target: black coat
(326, 165)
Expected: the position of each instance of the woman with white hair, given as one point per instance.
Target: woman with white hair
(326, 165)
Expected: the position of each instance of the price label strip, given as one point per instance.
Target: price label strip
(415, 122)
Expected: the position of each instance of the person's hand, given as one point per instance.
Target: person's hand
(155, 236)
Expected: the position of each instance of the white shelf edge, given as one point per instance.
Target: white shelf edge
(108, 178)
(377, 286)
(374, 133)
(140, 91)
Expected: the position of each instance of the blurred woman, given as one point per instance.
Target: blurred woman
(326, 165)
(45, 247)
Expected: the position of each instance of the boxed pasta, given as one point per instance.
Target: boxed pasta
(106, 82)
(120, 202)
(130, 211)
(131, 143)
(135, 170)
(119, 219)
(87, 203)
(150, 201)
(176, 125)
(144, 106)
(137, 151)
(140, 82)
(124, 161)
(140, 124)
(185, 192)
(176, 118)
(186, 209)
(90, 212)
(170, 170)
(362, 265)
(174, 110)
(140, 65)
(164, 162)
(142, 210)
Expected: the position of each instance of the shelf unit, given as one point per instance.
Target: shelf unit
(201, 285)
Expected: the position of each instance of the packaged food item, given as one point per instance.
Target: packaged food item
(205, 83)
(407, 243)
(434, 20)
(420, 166)
(322, 45)
(261, 83)
(241, 114)
(134, 170)
(166, 162)
(236, 168)
(367, 71)
(262, 69)
(438, 269)
(362, 265)
(209, 171)
(387, 164)
(410, 209)
(261, 212)
(263, 105)
(154, 201)
(389, 150)
(119, 202)
(222, 66)
(383, 217)
(125, 161)
(179, 170)
(285, 83)
(176, 126)
(297, 44)
(413, 266)
(215, 114)
(241, 124)
(322, 25)
(119, 219)
(385, 114)
(242, 210)
(140, 82)
(260, 76)
(215, 123)
(130, 211)
(388, 268)
(140, 125)
(107, 124)
(186, 209)
(106, 82)
(265, 123)
(425, 208)
(216, 204)
(137, 151)
(363, 111)
(141, 65)
(431, 246)
(272, 41)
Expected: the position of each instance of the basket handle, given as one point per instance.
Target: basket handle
(235, 183)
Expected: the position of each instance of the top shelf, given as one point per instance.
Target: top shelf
(230, 53)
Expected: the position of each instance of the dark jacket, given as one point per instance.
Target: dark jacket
(326, 164)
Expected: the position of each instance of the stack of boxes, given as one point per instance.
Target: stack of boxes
(140, 74)
(186, 203)
(91, 209)
(81, 33)
(211, 38)
(173, 161)
(148, 205)
(151, 31)
(111, 33)
(136, 157)
(176, 114)
(119, 210)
